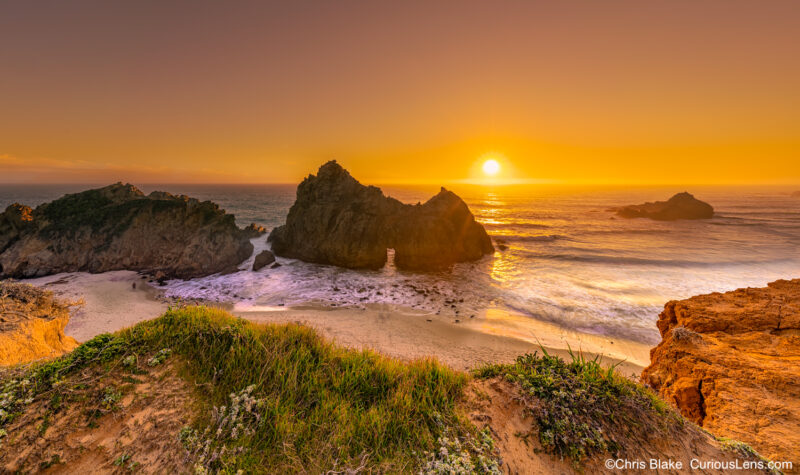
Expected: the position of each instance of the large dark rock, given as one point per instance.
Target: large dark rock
(119, 228)
(337, 220)
(681, 206)
(264, 258)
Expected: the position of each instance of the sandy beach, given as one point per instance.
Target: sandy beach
(115, 300)
(111, 300)
(407, 334)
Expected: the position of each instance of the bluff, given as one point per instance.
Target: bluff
(116, 228)
(681, 206)
(32, 324)
(337, 220)
(729, 363)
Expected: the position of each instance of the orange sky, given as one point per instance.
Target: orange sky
(594, 91)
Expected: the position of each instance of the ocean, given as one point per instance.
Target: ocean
(568, 259)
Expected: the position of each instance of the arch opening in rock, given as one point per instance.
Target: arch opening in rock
(337, 220)
(390, 267)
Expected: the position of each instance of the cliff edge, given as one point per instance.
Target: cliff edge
(31, 324)
(729, 363)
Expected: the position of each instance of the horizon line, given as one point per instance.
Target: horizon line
(406, 183)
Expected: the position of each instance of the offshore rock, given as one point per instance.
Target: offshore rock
(729, 362)
(337, 220)
(681, 206)
(119, 228)
(254, 230)
(264, 258)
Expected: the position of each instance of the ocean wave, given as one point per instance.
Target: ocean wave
(460, 292)
(624, 231)
(760, 212)
(595, 320)
(762, 223)
(514, 225)
(529, 238)
(639, 261)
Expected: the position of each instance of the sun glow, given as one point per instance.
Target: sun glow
(491, 167)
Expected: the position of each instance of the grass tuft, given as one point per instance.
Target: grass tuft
(580, 407)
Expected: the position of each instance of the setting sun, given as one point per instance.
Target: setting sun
(494, 183)
(491, 167)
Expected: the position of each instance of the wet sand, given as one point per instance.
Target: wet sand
(113, 302)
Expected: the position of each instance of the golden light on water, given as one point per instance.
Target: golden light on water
(491, 167)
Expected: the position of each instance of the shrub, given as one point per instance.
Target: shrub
(581, 408)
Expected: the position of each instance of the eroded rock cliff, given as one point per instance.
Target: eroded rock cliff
(729, 362)
(31, 324)
(337, 220)
(118, 227)
(681, 206)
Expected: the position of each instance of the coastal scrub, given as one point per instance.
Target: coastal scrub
(581, 408)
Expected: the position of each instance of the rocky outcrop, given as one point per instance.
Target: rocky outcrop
(264, 258)
(31, 324)
(337, 220)
(681, 206)
(254, 230)
(116, 228)
(729, 362)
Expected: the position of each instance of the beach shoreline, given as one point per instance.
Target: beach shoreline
(120, 299)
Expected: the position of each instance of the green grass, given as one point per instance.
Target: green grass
(581, 408)
(280, 398)
(742, 449)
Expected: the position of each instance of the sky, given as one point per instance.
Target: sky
(628, 92)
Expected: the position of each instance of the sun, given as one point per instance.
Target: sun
(491, 167)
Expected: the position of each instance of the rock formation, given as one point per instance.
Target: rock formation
(729, 362)
(264, 258)
(118, 227)
(337, 220)
(681, 206)
(31, 324)
(254, 230)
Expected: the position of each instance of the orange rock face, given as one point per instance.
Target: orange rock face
(32, 324)
(731, 363)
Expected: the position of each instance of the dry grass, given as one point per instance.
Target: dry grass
(20, 302)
